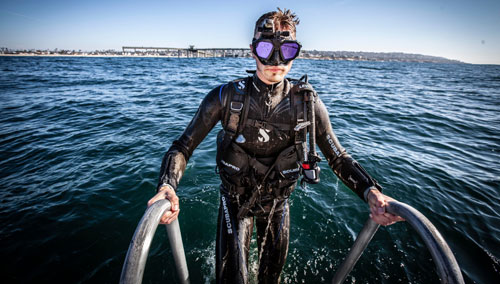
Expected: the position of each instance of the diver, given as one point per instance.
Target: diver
(271, 125)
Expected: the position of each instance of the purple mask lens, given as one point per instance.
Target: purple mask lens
(289, 50)
(264, 49)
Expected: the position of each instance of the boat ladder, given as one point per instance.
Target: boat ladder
(135, 261)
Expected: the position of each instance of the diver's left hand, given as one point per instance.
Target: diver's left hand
(378, 202)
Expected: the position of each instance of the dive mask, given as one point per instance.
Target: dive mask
(274, 47)
(275, 51)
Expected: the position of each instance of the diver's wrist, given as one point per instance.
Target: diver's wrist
(367, 192)
(165, 186)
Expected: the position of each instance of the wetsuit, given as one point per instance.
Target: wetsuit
(265, 135)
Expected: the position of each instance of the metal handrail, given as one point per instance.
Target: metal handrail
(362, 241)
(135, 261)
(447, 266)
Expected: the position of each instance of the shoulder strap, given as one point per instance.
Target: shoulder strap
(299, 116)
(303, 107)
(246, 105)
(237, 109)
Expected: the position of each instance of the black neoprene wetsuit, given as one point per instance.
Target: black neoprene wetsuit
(268, 105)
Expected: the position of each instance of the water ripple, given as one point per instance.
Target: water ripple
(82, 141)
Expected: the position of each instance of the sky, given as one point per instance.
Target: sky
(463, 30)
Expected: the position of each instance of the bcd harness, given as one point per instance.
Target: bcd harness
(238, 169)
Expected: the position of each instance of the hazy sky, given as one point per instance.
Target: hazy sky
(464, 30)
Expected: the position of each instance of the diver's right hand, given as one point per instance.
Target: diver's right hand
(167, 192)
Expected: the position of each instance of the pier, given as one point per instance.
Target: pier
(186, 52)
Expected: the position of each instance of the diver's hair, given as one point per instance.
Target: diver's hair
(282, 19)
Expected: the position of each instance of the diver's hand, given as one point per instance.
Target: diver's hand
(378, 203)
(167, 192)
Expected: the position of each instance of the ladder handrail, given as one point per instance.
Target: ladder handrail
(135, 261)
(447, 266)
(357, 249)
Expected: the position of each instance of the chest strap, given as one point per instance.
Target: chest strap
(268, 125)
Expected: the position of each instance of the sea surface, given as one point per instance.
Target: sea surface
(81, 142)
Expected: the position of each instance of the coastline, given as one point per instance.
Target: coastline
(86, 55)
(309, 57)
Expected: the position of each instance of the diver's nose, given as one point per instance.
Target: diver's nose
(276, 60)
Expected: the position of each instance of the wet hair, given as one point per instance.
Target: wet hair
(282, 19)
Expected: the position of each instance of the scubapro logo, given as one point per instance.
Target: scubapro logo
(332, 145)
(264, 137)
(241, 85)
(230, 165)
(289, 171)
(226, 216)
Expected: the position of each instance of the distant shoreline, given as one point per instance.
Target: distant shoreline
(357, 58)
(85, 55)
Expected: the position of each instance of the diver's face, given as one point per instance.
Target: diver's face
(271, 74)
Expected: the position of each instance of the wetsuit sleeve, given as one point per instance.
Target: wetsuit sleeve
(343, 165)
(175, 160)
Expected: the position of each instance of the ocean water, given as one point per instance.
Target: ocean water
(81, 142)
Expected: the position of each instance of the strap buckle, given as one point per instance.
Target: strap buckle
(302, 125)
(236, 106)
